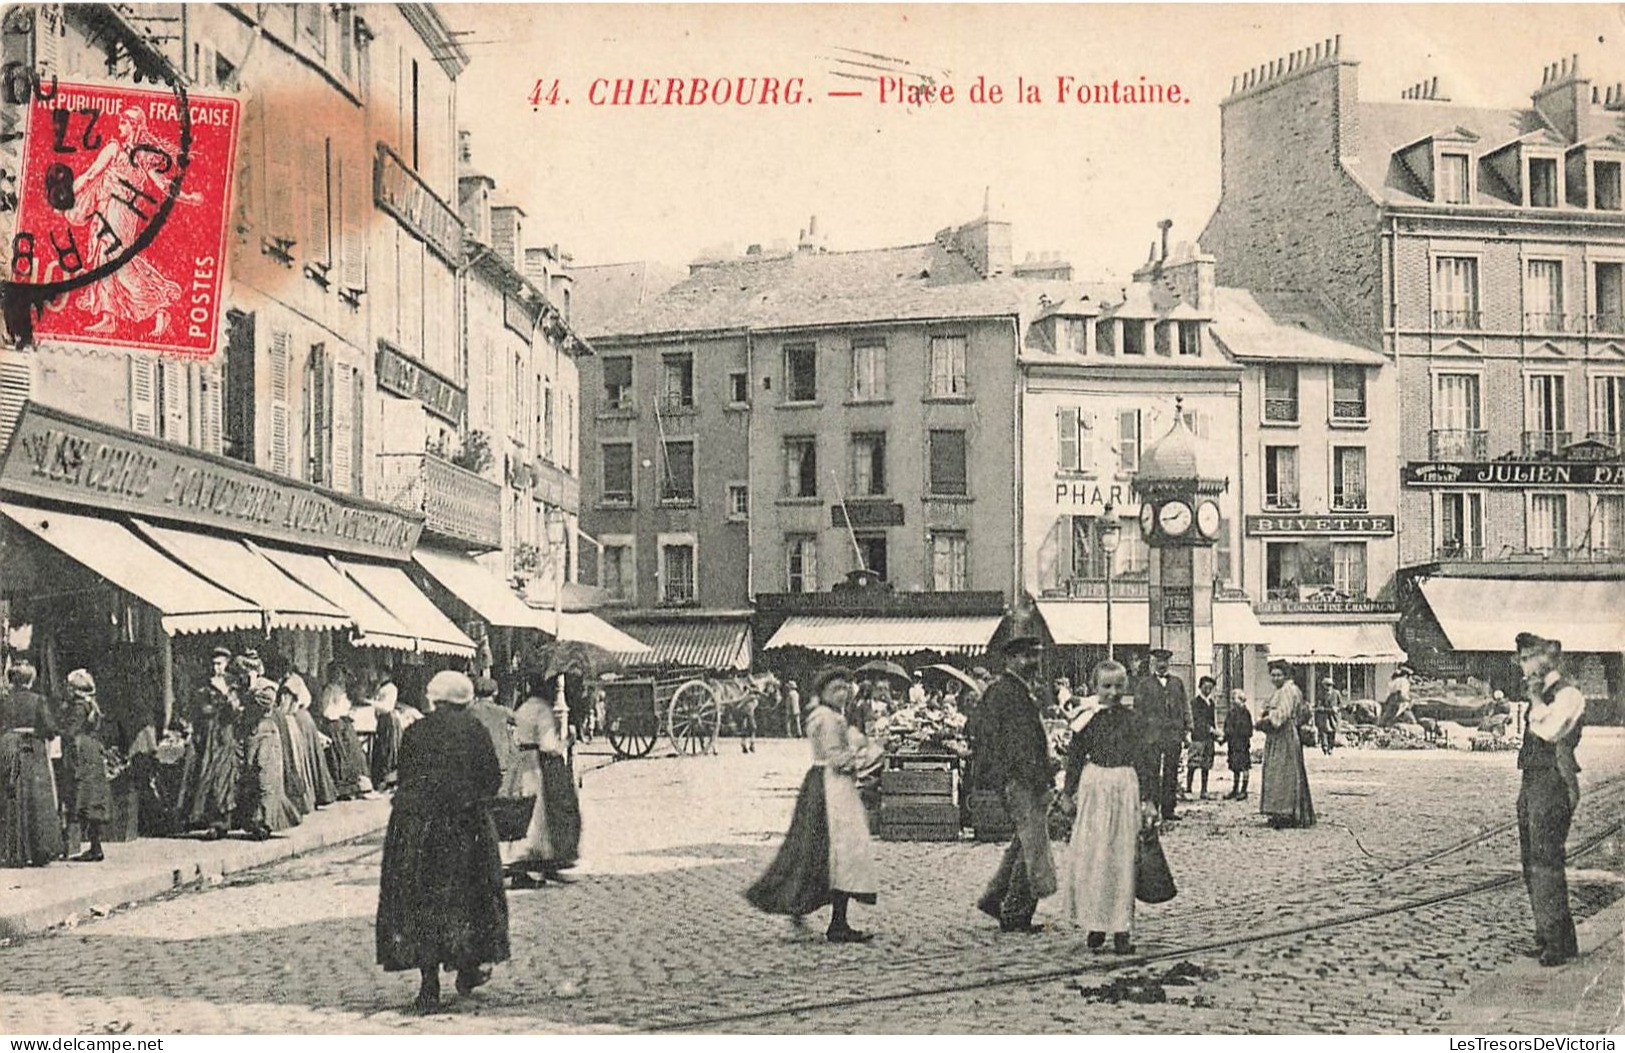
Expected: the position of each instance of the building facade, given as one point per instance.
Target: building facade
(1481, 250)
(778, 423)
(1105, 370)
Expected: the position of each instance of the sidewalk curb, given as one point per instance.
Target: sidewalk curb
(192, 863)
(1515, 1000)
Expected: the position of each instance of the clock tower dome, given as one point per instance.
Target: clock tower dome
(1180, 519)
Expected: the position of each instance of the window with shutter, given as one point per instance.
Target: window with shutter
(1067, 426)
(279, 182)
(211, 408)
(281, 411)
(1128, 440)
(173, 402)
(16, 387)
(342, 416)
(947, 464)
(353, 190)
(317, 152)
(318, 429)
(143, 394)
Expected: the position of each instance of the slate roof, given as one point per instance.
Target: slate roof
(912, 282)
(1286, 327)
(1385, 128)
(601, 292)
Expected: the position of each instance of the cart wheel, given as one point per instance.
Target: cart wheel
(630, 739)
(694, 718)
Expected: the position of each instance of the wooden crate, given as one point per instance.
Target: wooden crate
(919, 803)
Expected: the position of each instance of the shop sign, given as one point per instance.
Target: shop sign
(866, 514)
(399, 191)
(1333, 525)
(64, 458)
(1581, 475)
(403, 375)
(1177, 607)
(1089, 497)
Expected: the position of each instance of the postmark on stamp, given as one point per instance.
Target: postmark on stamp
(123, 201)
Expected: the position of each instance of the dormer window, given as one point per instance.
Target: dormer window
(1543, 186)
(1133, 336)
(1453, 181)
(1106, 336)
(1190, 338)
(1605, 186)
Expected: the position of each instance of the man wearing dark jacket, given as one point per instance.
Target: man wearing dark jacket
(1165, 711)
(1012, 755)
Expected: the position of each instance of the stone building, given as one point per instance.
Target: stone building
(1482, 251)
(777, 423)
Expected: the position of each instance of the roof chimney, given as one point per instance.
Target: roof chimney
(1164, 226)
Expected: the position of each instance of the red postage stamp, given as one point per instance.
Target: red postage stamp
(120, 179)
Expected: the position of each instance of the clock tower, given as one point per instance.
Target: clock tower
(1180, 519)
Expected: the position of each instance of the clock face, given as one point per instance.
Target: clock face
(1208, 519)
(1148, 519)
(1174, 518)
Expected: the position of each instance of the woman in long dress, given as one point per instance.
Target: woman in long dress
(386, 740)
(552, 840)
(440, 898)
(30, 834)
(827, 856)
(1111, 778)
(263, 807)
(311, 742)
(344, 753)
(208, 796)
(84, 763)
(1285, 794)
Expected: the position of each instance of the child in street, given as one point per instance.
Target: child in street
(1238, 740)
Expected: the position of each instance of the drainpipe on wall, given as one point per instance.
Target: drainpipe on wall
(750, 496)
(1019, 555)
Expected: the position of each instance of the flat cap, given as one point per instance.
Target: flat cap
(828, 674)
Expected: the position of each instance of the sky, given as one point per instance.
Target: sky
(1087, 181)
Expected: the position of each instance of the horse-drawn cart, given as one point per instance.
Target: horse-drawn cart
(690, 712)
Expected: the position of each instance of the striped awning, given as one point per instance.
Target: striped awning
(876, 635)
(583, 627)
(391, 587)
(1359, 643)
(486, 594)
(185, 602)
(376, 627)
(235, 567)
(692, 645)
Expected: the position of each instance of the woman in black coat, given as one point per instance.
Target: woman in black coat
(440, 897)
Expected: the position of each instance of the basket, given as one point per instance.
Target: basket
(512, 815)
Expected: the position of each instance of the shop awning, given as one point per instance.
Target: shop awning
(185, 602)
(1072, 623)
(693, 645)
(1235, 623)
(1360, 643)
(376, 626)
(487, 594)
(876, 635)
(1482, 614)
(582, 627)
(391, 587)
(234, 566)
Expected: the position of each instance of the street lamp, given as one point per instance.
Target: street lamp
(1110, 534)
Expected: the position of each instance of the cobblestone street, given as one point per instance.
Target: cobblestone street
(1292, 930)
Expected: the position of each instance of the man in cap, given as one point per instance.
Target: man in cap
(440, 895)
(498, 722)
(1549, 793)
(1013, 757)
(1165, 712)
(1328, 704)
